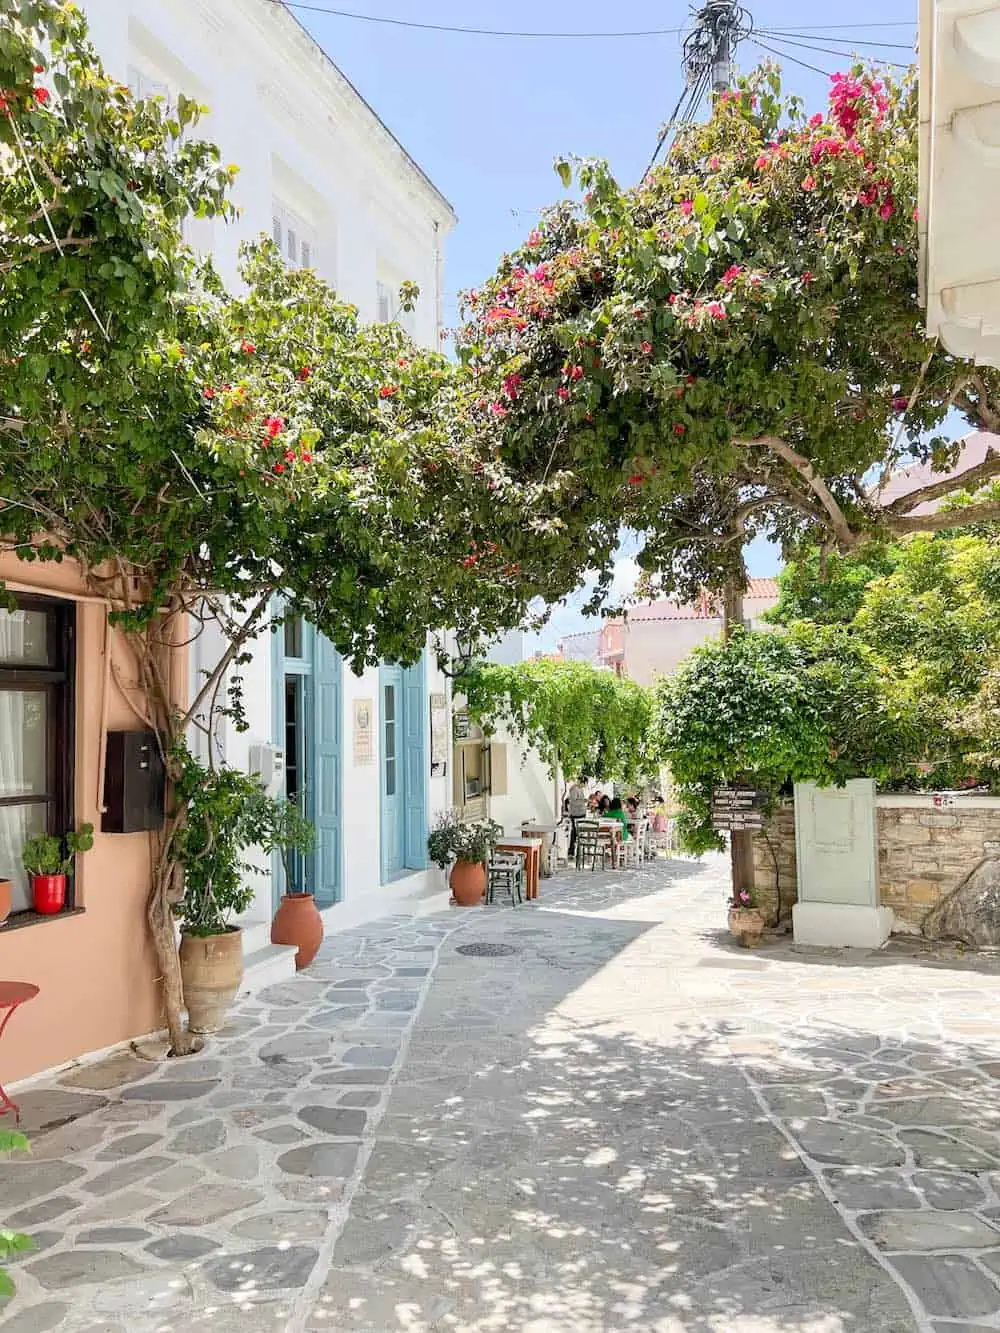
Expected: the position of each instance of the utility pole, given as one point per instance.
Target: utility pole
(708, 55)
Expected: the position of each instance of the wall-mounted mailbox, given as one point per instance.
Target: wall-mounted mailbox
(134, 783)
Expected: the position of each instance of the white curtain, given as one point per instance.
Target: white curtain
(22, 749)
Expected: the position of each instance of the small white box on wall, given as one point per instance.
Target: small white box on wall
(267, 762)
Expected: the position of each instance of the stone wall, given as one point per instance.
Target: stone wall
(777, 847)
(924, 851)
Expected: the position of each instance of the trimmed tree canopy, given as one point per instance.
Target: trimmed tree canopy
(583, 721)
(733, 344)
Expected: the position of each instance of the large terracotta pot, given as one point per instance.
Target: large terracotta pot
(6, 900)
(298, 921)
(211, 969)
(48, 893)
(747, 924)
(468, 882)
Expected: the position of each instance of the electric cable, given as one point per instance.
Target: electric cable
(829, 50)
(694, 95)
(806, 35)
(469, 32)
(787, 55)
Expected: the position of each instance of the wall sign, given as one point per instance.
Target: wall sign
(439, 735)
(461, 725)
(364, 750)
(738, 809)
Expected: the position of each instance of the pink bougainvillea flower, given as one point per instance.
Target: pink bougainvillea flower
(576, 373)
(42, 96)
(307, 458)
(887, 210)
(498, 409)
(868, 197)
(208, 391)
(731, 274)
(274, 426)
(511, 385)
(687, 207)
(279, 467)
(248, 348)
(289, 455)
(916, 215)
(563, 393)
(646, 349)
(715, 163)
(762, 161)
(809, 183)
(900, 403)
(816, 121)
(535, 239)
(826, 148)
(807, 277)
(388, 390)
(716, 310)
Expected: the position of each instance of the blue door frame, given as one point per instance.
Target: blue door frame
(404, 769)
(307, 695)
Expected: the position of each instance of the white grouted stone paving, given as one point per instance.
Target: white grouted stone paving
(622, 1125)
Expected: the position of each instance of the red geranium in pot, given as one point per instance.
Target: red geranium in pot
(48, 859)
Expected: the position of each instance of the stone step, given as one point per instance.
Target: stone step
(256, 936)
(267, 966)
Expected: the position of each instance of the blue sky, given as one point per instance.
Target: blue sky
(486, 116)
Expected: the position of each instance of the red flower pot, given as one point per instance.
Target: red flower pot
(298, 922)
(468, 882)
(48, 893)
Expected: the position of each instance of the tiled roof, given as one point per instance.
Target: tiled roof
(706, 608)
(975, 447)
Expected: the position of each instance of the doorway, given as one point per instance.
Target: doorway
(405, 719)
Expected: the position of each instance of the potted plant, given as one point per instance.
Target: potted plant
(48, 859)
(746, 920)
(466, 848)
(297, 920)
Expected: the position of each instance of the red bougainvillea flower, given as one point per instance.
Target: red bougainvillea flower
(680, 428)
(511, 385)
(887, 210)
(307, 458)
(826, 148)
(39, 69)
(646, 349)
(900, 403)
(279, 467)
(716, 310)
(208, 391)
(289, 455)
(388, 390)
(868, 196)
(576, 372)
(687, 207)
(807, 277)
(637, 479)
(303, 373)
(274, 426)
(809, 183)
(762, 161)
(691, 379)
(42, 96)
(563, 393)
(731, 274)
(469, 561)
(248, 348)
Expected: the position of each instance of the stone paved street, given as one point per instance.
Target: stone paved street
(612, 1120)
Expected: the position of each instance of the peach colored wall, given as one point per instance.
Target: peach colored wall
(96, 970)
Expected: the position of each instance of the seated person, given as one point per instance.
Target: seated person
(603, 806)
(615, 811)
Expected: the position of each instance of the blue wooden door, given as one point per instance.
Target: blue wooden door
(393, 802)
(416, 717)
(326, 810)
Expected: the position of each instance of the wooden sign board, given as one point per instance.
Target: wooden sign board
(738, 809)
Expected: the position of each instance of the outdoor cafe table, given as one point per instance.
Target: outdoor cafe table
(531, 850)
(546, 833)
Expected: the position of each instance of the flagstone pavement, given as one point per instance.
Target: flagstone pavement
(608, 1120)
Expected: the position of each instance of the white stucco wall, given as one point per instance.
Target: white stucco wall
(531, 790)
(311, 151)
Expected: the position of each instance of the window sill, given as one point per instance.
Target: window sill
(18, 920)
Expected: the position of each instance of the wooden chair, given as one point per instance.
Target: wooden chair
(505, 872)
(590, 844)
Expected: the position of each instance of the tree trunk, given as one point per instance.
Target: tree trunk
(740, 841)
(161, 926)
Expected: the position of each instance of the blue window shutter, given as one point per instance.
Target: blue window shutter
(417, 724)
(327, 750)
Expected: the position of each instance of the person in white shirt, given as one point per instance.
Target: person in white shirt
(577, 807)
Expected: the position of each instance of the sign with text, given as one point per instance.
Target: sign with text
(364, 751)
(439, 735)
(738, 809)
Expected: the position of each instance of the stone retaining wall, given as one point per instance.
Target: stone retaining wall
(924, 851)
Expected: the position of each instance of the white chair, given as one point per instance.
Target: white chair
(630, 852)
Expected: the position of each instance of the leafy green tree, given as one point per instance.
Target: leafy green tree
(733, 345)
(203, 457)
(583, 721)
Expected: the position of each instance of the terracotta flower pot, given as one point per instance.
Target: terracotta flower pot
(211, 969)
(48, 893)
(468, 882)
(747, 924)
(298, 921)
(6, 900)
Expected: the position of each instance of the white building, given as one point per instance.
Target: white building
(960, 174)
(322, 174)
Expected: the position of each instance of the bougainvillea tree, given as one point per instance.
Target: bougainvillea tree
(583, 721)
(733, 345)
(202, 457)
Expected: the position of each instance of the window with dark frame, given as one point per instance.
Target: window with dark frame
(37, 747)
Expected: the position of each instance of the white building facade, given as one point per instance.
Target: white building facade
(322, 175)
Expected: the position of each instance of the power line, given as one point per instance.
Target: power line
(828, 50)
(831, 27)
(786, 34)
(787, 55)
(470, 32)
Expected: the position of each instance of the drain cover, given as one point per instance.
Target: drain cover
(483, 949)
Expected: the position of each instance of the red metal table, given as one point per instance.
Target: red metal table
(12, 995)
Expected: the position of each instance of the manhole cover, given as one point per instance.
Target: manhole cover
(483, 949)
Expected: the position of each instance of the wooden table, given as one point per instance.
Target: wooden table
(546, 833)
(12, 995)
(531, 850)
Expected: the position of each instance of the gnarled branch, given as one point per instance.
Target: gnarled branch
(973, 477)
(835, 515)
